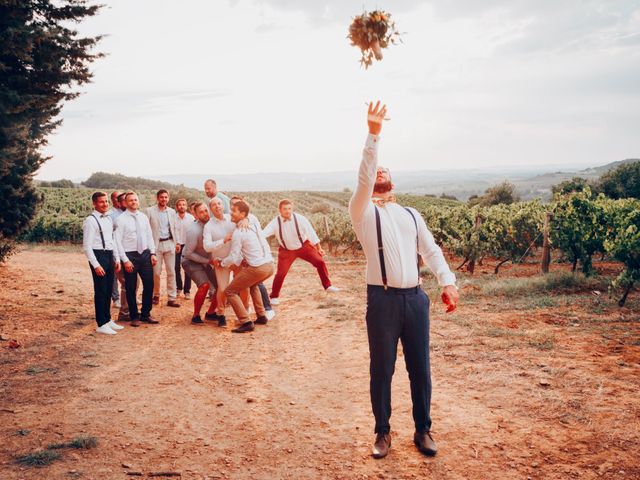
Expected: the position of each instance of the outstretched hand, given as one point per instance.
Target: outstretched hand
(375, 117)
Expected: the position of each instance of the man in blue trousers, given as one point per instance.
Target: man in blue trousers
(394, 240)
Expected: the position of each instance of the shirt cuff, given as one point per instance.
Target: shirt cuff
(95, 264)
(372, 141)
(447, 278)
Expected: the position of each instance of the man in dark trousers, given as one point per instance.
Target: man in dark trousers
(137, 253)
(393, 239)
(99, 247)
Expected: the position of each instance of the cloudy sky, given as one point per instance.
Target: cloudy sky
(241, 86)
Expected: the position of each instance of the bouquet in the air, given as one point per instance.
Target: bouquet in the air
(371, 32)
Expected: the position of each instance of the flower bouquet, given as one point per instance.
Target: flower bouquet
(371, 32)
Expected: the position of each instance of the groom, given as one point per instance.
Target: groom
(393, 239)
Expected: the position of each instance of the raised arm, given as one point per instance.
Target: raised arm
(361, 197)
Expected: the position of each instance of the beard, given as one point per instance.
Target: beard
(383, 187)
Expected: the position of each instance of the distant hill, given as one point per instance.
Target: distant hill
(531, 182)
(118, 181)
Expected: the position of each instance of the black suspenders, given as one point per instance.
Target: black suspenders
(104, 245)
(383, 268)
(295, 220)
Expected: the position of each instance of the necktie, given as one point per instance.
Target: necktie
(139, 239)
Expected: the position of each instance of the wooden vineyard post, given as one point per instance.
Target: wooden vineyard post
(326, 226)
(472, 263)
(546, 245)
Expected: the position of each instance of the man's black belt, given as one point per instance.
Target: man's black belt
(165, 239)
(397, 291)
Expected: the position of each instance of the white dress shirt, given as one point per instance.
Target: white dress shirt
(289, 232)
(398, 233)
(253, 220)
(181, 227)
(127, 234)
(91, 239)
(248, 244)
(215, 231)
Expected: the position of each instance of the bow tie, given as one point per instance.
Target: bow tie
(286, 219)
(381, 202)
(103, 215)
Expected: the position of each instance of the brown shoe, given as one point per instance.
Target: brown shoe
(245, 327)
(172, 303)
(156, 300)
(135, 323)
(149, 320)
(382, 445)
(124, 317)
(424, 442)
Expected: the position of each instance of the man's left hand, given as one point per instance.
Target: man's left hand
(320, 250)
(117, 267)
(154, 260)
(178, 247)
(450, 297)
(243, 224)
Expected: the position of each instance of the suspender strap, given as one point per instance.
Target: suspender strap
(295, 219)
(383, 268)
(284, 245)
(254, 230)
(104, 245)
(415, 222)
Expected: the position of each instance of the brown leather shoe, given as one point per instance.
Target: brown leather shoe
(172, 303)
(424, 442)
(382, 445)
(149, 320)
(124, 317)
(156, 300)
(245, 327)
(135, 323)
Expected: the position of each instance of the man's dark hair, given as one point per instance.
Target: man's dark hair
(97, 195)
(242, 206)
(122, 196)
(196, 205)
(126, 195)
(210, 180)
(161, 191)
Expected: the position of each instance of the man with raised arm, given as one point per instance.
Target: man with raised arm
(393, 239)
(297, 239)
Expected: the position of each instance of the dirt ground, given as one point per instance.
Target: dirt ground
(521, 389)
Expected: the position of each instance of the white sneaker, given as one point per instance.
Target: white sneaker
(106, 329)
(269, 314)
(114, 326)
(187, 296)
(117, 303)
(275, 301)
(332, 289)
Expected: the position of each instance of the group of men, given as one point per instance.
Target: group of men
(219, 245)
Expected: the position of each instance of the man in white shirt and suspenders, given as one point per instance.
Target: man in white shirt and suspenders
(99, 247)
(393, 239)
(297, 239)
